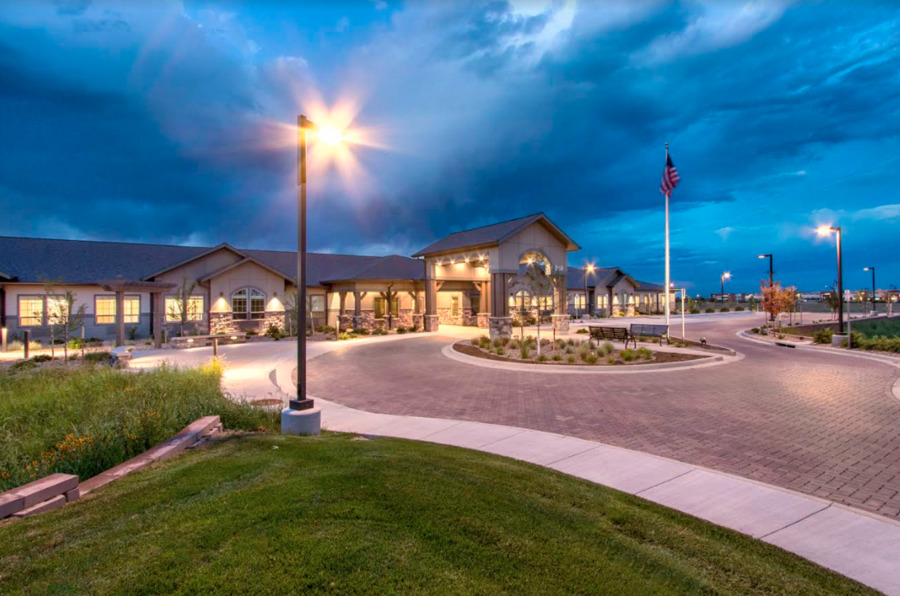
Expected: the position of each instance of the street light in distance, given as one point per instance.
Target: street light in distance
(726, 275)
(826, 230)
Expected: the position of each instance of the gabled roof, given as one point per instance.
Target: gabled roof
(603, 277)
(6, 277)
(493, 234)
(222, 246)
(237, 264)
(85, 261)
(390, 267)
(646, 286)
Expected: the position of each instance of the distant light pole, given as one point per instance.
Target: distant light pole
(587, 269)
(771, 275)
(683, 294)
(826, 231)
(872, 269)
(724, 276)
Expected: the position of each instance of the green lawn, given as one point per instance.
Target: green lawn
(85, 419)
(269, 514)
(878, 327)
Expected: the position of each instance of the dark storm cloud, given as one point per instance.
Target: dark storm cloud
(133, 123)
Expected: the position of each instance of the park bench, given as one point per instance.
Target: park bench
(658, 331)
(611, 333)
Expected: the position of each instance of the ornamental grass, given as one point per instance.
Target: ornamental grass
(83, 420)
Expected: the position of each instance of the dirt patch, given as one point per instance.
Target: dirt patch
(658, 358)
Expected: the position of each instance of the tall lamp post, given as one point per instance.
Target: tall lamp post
(587, 269)
(726, 275)
(826, 231)
(872, 269)
(771, 275)
(301, 417)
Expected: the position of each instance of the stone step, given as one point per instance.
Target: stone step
(34, 493)
(54, 503)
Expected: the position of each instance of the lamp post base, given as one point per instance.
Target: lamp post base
(301, 422)
(301, 404)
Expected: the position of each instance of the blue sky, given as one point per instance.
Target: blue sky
(169, 122)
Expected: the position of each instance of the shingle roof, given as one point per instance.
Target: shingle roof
(87, 262)
(646, 286)
(599, 277)
(488, 235)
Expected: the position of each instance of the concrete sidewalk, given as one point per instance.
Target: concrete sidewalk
(856, 544)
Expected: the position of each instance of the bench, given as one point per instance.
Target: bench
(611, 333)
(190, 339)
(660, 332)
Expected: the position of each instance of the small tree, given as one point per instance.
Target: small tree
(834, 302)
(182, 307)
(291, 313)
(540, 287)
(777, 300)
(61, 312)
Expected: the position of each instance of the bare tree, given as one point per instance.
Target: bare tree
(182, 307)
(61, 312)
(540, 286)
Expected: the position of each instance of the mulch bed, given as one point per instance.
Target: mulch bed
(658, 357)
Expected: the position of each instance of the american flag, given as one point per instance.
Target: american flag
(670, 177)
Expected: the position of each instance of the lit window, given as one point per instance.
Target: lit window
(248, 303)
(192, 308)
(380, 310)
(454, 306)
(105, 309)
(31, 311)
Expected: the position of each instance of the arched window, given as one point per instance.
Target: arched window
(248, 303)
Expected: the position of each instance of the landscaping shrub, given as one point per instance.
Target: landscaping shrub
(557, 358)
(611, 359)
(695, 311)
(570, 342)
(589, 358)
(523, 350)
(343, 336)
(627, 355)
(251, 333)
(570, 359)
(560, 344)
(856, 340)
(325, 329)
(500, 351)
(401, 330)
(644, 354)
(607, 347)
(275, 332)
(379, 331)
(822, 336)
(879, 342)
(501, 342)
(710, 310)
(581, 330)
(542, 358)
(98, 357)
(361, 331)
(724, 309)
(84, 420)
(737, 308)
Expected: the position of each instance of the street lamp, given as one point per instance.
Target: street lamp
(726, 275)
(588, 269)
(771, 276)
(826, 230)
(872, 269)
(301, 417)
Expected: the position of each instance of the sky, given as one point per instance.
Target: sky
(173, 122)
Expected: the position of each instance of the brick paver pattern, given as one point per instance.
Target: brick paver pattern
(822, 424)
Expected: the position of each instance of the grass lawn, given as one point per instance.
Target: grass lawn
(878, 327)
(85, 419)
(271, 514)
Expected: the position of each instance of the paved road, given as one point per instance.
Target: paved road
(822, 424)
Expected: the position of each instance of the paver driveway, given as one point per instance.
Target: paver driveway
(818, 423)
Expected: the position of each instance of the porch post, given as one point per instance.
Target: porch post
(157, 307)
(120, 318)
(432, 322)
(342, 298)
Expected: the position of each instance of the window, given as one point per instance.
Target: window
(316, 304)
(454, 306)
(380, 310)
(193, 309)
(57, 310)
(248, 303)
(31, 311)
(105, 309)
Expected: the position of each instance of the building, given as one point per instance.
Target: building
(612, 292)
(473, 277)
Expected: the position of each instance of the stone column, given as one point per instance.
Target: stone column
(342, 302)
(499, 321)
(357, 308)
(432, 320)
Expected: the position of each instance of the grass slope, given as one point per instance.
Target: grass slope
(269, 514)
(84, 419)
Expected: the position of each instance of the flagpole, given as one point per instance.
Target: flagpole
(667, 242)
